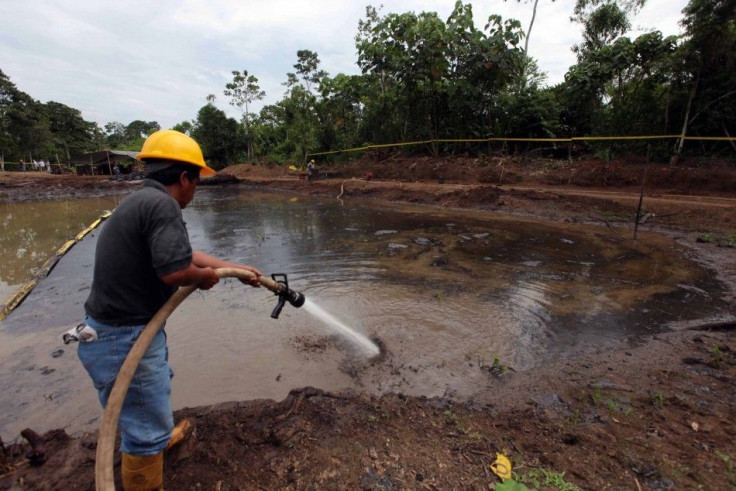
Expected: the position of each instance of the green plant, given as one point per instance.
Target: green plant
(597, 396)
(716, 355)
(372, 418)
(482, 357)
(706, 238)
(730, 470)
(604, 154)
(476, 435)
(451, 419)
(656, 399)
(497, 364)
(497, 368)
(575, 418)
(543, 478)
(610, 216)
(510, 485)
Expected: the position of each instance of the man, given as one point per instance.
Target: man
(143, 255)
(310, 170)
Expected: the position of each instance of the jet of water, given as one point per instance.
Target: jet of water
(366, 344)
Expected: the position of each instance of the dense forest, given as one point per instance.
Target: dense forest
(428, 79)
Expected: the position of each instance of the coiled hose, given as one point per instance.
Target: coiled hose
(104, 474)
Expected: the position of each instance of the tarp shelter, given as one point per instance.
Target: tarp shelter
(102, 162)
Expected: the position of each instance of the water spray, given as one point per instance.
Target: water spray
(281, 289)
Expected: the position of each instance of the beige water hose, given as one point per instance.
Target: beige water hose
(104, 474)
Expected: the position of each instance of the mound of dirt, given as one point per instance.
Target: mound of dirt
(690, 177)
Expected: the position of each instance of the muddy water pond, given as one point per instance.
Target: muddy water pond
(33, 231)
(453, 298)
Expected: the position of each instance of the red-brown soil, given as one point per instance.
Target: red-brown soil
(657, 416)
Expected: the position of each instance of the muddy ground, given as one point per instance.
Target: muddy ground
(659, 415)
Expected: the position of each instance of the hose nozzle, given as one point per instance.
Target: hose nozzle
(285, 294)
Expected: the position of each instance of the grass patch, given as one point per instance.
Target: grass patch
(544, 479)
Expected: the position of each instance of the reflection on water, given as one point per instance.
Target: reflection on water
(443, 291)
(33, 231)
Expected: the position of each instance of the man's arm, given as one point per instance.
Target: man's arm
(203, 260)
(205, 278)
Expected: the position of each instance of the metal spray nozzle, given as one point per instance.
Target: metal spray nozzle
(285, 294)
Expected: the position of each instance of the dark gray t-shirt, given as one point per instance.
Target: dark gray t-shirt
(144, 239)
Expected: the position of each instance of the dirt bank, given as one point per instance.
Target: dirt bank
(655, 416)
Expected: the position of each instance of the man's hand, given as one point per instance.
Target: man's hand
(203, 260)
(252, 281)
(209, 279)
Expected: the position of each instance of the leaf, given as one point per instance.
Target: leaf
(510, 485)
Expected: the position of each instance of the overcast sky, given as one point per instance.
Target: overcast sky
(158, 60)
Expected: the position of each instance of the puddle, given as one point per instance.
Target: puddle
(445, 294)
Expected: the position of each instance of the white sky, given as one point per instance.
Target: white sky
(158, 60)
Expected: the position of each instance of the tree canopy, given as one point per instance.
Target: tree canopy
(425, 78)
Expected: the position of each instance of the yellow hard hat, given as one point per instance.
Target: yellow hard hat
(174, 145)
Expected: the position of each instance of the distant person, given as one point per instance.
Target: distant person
(311, 170)
(117, 172)
(22, 165)
(142, 256)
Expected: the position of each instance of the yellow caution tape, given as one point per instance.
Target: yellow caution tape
(541, 140)
(711, 138)
(501, 467)
(17, 298)
(595, 138)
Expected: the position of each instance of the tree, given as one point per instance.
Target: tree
(72, 135)
(709, 56)
(141, 129)
(183, 127)
(603, 21)
(243, 91)
(307, 67)
(217, 135)
(531, 24)
(435, 79)
(343, 99)
(8, 93)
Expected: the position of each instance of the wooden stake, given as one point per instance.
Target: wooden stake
(641, 200)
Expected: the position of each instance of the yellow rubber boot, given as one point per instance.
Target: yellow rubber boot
(181, 432)
(143, 473)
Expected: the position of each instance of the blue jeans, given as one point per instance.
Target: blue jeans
(146, 419)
